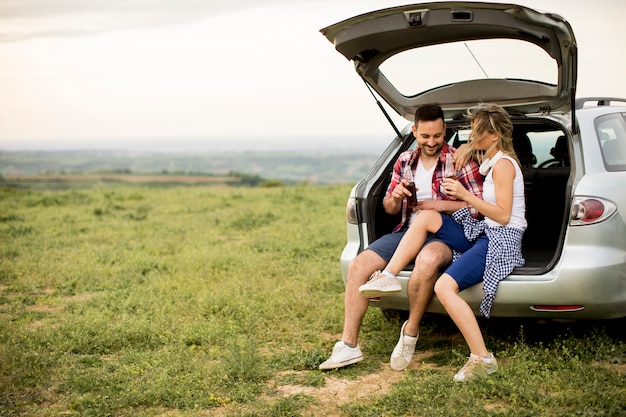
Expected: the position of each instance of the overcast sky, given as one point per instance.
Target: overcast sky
(94, 73)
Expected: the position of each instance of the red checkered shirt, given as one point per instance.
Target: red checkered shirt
(468, 176)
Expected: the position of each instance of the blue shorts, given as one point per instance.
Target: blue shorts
(469, 269)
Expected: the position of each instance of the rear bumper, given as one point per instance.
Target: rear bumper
(588, 276)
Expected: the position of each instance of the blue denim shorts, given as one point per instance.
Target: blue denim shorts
(469, 269)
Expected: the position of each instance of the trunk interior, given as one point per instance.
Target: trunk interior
(543, 150)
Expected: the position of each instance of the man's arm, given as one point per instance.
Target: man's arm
(442, 206)
(396, 192)
(393, 200)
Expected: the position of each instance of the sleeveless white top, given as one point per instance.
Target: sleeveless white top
(518, 218)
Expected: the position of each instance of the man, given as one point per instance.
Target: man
(427, 164)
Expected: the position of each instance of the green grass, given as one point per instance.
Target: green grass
(193, 301)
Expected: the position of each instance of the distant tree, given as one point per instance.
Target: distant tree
(251, 180)
(271, 184)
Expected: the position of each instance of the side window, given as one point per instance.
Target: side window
(550, 148)
(611, 133)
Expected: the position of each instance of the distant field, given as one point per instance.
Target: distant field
(182, 179)
(69, 182)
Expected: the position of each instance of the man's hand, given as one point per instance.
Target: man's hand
(393, 202)
(400, 191)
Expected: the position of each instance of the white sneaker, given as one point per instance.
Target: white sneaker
(476, 365)
(380, 284)
(403, 352)
(343, 355)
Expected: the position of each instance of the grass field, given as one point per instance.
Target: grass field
(219, 301)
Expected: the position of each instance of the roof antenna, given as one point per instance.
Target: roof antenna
(380, 106)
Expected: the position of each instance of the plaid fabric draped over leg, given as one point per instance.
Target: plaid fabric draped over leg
(504, 253)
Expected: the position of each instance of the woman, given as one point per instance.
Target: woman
(490, 248)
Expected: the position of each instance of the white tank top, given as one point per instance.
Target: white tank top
(518, 217)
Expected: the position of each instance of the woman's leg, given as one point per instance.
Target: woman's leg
(468, 270)
(425, 221)
(447, 291)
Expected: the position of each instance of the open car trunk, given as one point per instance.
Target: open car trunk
(459, 53)
(543, 150)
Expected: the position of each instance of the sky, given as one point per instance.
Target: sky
(213, 75)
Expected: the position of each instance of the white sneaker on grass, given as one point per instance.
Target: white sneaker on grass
(477, 365)
(343, 355)
(380, 284)
(403, 352)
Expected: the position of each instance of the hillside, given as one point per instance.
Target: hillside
(289, 167)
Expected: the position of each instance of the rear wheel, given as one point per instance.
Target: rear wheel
(395, 316)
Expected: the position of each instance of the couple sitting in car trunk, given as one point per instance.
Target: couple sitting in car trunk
(482, 237)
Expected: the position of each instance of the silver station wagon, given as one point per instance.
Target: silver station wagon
(573, 150)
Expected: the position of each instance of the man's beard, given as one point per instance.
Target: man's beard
(428, 151)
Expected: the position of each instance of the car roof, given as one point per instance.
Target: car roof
(373, 39)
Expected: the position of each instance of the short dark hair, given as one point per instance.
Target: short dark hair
(428, 113)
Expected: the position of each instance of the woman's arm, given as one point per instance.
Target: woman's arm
(462, 156)
(503, 176)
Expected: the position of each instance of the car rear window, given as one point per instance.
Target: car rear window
(415, 71)
(611, 132)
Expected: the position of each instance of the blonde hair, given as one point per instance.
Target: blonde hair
(491, 118)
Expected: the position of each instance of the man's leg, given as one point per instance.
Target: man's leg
(420, 291)
(407, 250)
(355, 306)
(347, 351)
(425, 222)
(421, 284)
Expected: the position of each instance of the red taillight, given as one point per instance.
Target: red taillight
(592, 210)
(589, 210)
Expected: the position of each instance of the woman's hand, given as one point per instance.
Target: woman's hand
(453, 188)
(462, 156)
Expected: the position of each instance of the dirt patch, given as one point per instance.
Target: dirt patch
(339, 391)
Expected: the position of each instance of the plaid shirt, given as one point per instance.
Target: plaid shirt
(468, 176)
(504, 253)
